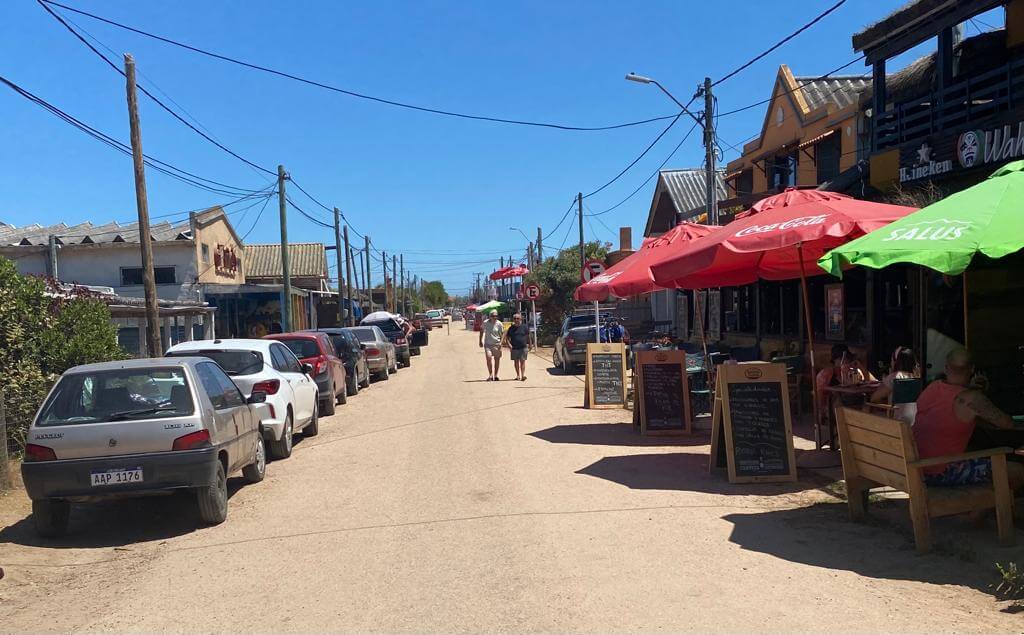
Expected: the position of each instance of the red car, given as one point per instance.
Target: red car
(317, 350)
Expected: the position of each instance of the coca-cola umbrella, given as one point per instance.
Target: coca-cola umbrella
(781, 238)
(511, 271)
(499, 274)
(632, 275)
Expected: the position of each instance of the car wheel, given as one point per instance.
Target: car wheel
(257, 470)
(213, 499)
(567, 367)
(283, 449)
(384, 375)
(343, 396)
(366, 381)
(313, 427)
(327, 405)
(555, 359)
(51, 517)
(351, 385)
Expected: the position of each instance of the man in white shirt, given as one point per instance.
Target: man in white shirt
(491, 333)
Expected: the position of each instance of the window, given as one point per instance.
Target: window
(206, 253)
(233, 362)
(208, 378)
(118, 395)
(780, 308)
(744, 183)
(826, 155)
(782, 171)
(740, 314)
(285, 360)
(132, 276)
(303, 349)
(228, 389)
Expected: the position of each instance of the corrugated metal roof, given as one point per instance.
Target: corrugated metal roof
(688, 189)
(86, 233)
(306, 260)
(841, 90)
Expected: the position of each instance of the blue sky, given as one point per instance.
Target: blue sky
(443, 191)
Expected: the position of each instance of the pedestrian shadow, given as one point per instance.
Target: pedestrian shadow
(822, 536)
(620, 434)
(684, 472)
(119, 522)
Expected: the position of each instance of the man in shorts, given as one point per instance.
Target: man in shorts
(491, 332)
(517, 338)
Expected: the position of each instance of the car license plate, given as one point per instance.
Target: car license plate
(116, 477)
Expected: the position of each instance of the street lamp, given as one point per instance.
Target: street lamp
(521, 232)
(640, 79)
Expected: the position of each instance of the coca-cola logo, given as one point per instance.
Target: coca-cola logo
(803, 221)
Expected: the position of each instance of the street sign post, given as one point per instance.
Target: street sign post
(532, 292)
(591, 270)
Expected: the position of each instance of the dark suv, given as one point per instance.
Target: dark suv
(357, 372)
(396, 335)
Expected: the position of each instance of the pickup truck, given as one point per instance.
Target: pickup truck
(571, 345)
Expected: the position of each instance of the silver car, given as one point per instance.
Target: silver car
(137, 427)
(380, 352)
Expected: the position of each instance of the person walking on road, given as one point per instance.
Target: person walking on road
(517, 338)
(491, 332)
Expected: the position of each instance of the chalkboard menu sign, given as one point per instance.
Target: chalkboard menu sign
(606, 375)
(752, 418)
(663, 392)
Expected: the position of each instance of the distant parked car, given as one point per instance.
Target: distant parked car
(271, 368)
(379, 351)
(437, 318)
(316, 350)
(395, 334)
(346, 344)
(137, 427)
(571, 344)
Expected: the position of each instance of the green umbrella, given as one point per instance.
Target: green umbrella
(987, 218)
(488, 306)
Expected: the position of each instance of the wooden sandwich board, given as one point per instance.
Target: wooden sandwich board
(751, 428)
(662, 393)
(605, 385)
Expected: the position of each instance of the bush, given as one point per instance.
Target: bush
(558, 277)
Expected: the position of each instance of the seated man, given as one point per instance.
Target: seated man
(947, 412)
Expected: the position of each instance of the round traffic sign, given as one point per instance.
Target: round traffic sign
(532, 292)
(592, 269)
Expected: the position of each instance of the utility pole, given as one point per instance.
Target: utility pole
(366, 259)
(154, 343)
(357, 274)
(529, 256)
(579, 207)
(384, 261)
(709, 149)
(286, 270)
(348, 280)
(337, 255)
(401, 263)
(540, 246)
(394, 283)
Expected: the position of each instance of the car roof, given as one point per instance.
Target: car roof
(294, 335)
(146, 362)
(238, 343)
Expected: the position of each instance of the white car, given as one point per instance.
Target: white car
(270, 367)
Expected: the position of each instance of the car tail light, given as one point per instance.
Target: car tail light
(270, 386)
(192, 441)
(372, 352)
(320, 365)
(570, 342)
(35, 452)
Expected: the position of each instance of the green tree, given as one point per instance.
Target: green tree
(434, 295)
(558, 277)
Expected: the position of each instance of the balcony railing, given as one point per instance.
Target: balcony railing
(962, 102)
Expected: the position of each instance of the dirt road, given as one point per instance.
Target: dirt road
(436, 501)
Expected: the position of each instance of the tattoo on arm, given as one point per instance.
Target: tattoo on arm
(980, 405)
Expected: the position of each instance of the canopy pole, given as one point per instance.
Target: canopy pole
(597, 320)
(698, 312)
(810, 346)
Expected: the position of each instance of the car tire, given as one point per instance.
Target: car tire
(555, 359)
(327, 405)
(351, 385)
(366, 382)
(343, 395)
(282, 449)
(257, 470)
(384, 375)
(51, 517)
(313, 427)
(568, 368)
(213, 499)
(407, 361)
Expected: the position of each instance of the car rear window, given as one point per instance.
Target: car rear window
(234, 363)
(302, 348)
(340, 343)
(388, 326)
(118, 395)
(364, 335)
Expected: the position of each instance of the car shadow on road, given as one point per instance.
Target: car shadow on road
(119, 522)
(822, 535)
(682, 471)
(621, 434)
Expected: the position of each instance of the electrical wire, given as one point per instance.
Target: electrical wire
(336, 89)
(562, 220)
(642, 155)
(775, 46)
(259, 215)
(793, 90)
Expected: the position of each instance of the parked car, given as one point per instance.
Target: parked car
(420, 320)
(457, 316)
(137, 427)
(437, 318)
(571, 344)
(357, 371)
(271, 368)
(395, 334)
(316, 350)
(379, 351)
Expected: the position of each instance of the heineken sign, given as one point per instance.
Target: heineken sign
(925, 166)
(976, 148)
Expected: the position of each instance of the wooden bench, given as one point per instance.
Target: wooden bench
(880, 451)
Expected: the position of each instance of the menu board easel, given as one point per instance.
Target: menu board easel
(662, 393)
(751, 428)
(605, 385)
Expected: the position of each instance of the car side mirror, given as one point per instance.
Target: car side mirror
(258, 396)
(307, 368)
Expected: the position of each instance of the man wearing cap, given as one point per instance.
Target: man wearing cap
(491, 333)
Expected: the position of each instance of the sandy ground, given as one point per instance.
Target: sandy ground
(439, 502)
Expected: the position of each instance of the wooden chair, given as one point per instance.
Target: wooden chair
(904, 391)
(881, 451)
(795, 377)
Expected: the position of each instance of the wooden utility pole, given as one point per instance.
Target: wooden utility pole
(540, 246)
(348, 280)
(286, 271)
(394, 283)
(337, 259)
(401, 264)
(384, 261)
(579, 207)
(711, 183)
(154, 343)
(366, 259)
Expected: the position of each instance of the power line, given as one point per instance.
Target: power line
(642, 155)
(325, 86)
(258, 216)
(793, 90)
(780, 42)
(562, 220)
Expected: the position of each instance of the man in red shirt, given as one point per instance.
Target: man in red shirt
(947, 412)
